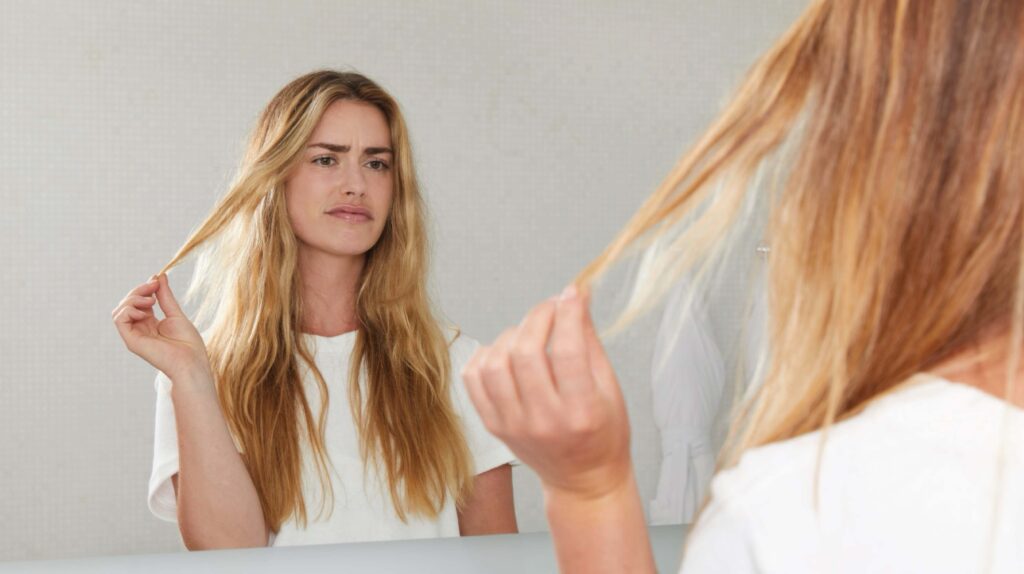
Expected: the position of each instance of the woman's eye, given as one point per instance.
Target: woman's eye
(377, 164)
(325, 161)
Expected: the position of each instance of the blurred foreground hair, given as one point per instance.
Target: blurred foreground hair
(895, 130)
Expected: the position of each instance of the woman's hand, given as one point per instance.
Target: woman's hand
(172, 345)
(217, 502)
(547, 389)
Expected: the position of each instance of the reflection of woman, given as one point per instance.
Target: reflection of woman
(888, 432)
(313, 271)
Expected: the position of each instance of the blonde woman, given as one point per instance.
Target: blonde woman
(888, 433)
(318, 406)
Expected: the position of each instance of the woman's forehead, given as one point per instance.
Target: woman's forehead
(353, 124)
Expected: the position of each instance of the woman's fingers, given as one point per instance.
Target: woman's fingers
(146, 289)
(172, 344)
(134, 308)
(529, 366)
(126, 320)
(569, 350)
(529, 360)
(474, 385)
(601, 367)
(138, 314)
(168, 304)
(498, 382)
(122, 317)
(140, 302)
(123, 324)
(538, 389)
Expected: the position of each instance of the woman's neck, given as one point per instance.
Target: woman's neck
(985, 365)
(329, 285)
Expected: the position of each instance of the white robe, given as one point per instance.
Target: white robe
(693, 391)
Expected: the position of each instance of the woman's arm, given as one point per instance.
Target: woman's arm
(604, 533)
(490, 508)
(547, 389)
(216, 500)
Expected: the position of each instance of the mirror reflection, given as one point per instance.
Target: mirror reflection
(518, 139)
(323, 358)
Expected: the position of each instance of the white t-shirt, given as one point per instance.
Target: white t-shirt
(908, 485)
(362, 509)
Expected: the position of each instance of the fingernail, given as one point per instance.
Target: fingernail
(569, 293)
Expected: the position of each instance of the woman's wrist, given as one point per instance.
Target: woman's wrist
(197, 377)
(600, 532)
(593, 485)
(608, 493)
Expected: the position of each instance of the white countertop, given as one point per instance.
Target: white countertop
(531, 553)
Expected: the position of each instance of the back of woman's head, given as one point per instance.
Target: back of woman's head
(248, 279)
(895, 130)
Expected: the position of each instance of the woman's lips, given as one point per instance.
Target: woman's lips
(350, 213)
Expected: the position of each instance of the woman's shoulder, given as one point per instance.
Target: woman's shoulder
(767, 469)
(900, 466)
(929, 416)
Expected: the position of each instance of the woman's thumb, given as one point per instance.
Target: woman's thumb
(164, 296)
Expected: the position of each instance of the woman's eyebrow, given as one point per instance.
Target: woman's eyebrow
(345, 149)
(331, 147)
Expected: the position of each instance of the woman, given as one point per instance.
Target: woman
(888, 432)
(318, 406)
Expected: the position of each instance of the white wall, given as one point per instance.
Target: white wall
(538, 128)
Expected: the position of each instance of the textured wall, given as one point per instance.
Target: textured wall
(538, 128)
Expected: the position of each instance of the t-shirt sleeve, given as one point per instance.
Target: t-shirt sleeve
(487, 450)
(162, 501)
(721, 541)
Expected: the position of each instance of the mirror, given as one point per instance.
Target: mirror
(538, 129)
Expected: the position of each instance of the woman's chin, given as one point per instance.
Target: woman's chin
(346, 251)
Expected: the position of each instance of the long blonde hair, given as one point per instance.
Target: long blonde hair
(248, 280)
(897, 130)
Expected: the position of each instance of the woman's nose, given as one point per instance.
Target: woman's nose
(352, 181)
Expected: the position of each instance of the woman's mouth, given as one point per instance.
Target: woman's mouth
(352, 213)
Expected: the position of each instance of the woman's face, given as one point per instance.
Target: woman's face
(339, 194)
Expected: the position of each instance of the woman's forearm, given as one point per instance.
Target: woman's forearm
(491, 507)
(602, 534)
(217, 502)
